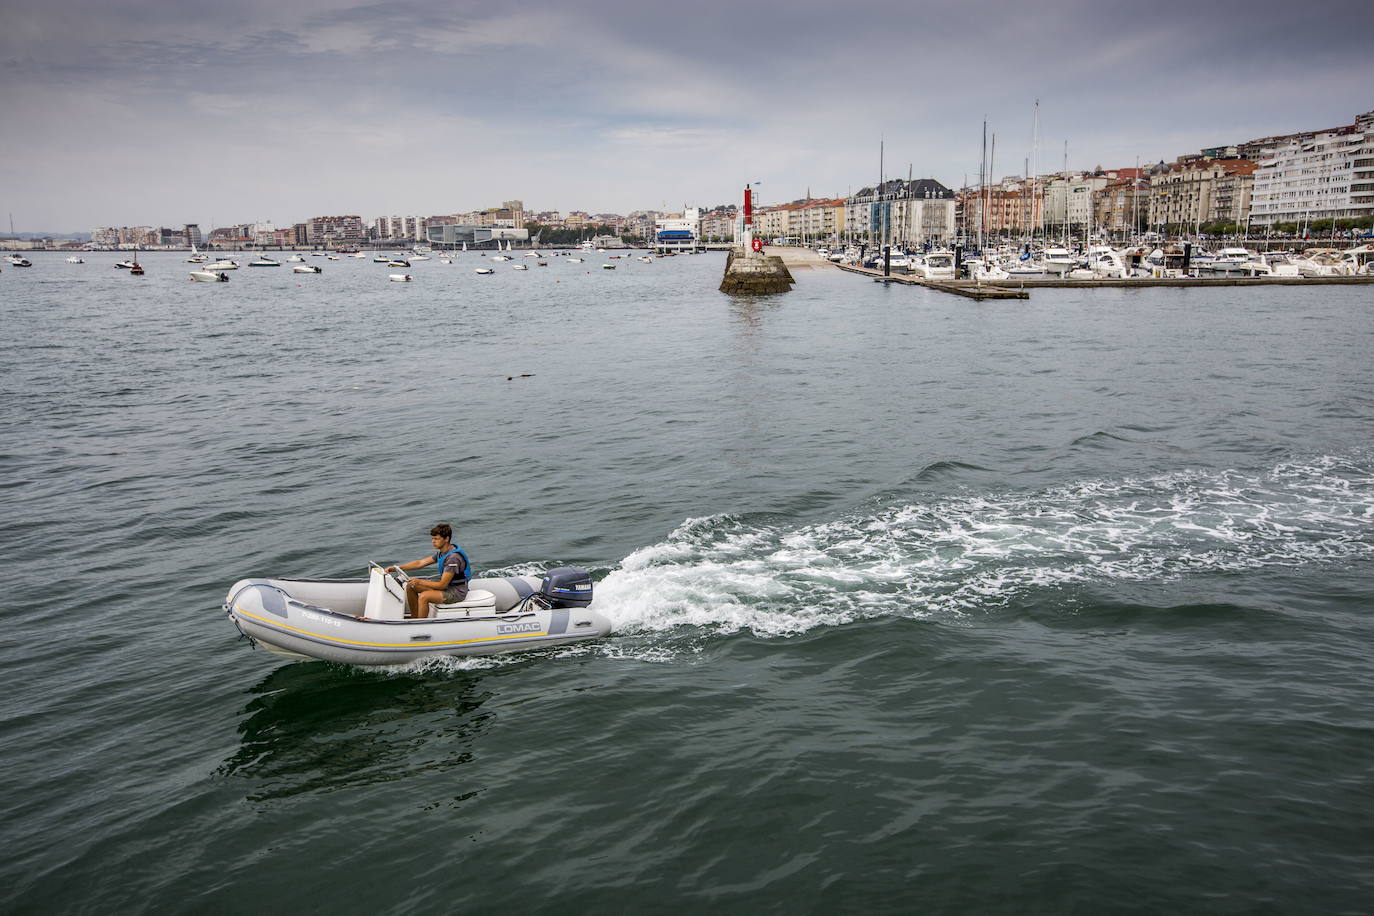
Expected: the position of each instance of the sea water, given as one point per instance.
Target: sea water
(921, 604)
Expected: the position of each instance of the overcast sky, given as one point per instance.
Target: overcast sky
(163, 112)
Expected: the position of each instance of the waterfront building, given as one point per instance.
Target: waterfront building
(1012, 208)
(336, 231)
(510, 215)
(455, 235)
(1122, 206)
(720, 224)
(399, 228)
(191, 231)
(1327, 174)
(678, 231)
(1195, 190)
(105, 237)
(905, 212)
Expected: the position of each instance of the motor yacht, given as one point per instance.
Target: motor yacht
(937, 265)
(1058, 260)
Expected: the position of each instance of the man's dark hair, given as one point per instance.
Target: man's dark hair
(442, 530)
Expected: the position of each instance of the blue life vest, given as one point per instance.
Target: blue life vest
(454, 548)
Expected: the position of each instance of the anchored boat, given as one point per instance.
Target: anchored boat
(363, 622)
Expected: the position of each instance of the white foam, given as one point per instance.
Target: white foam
(970, 553)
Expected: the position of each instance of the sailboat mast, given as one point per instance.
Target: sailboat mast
(982, 184)
(1035, 170)
(992, 169)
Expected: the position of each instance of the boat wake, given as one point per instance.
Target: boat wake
(968, 554)
(972, 553)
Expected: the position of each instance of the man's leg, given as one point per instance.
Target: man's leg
(428, 598)
(411, 591)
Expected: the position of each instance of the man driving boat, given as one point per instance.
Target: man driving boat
(455, 569)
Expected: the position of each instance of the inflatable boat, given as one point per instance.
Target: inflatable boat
(363, 622)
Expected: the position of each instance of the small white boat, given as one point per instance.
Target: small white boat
(520, 267)
(608, 267)
(399, 278)
(499, 257)
(332, 257)
(363, 622)
(76, 260)
(574, 260)
(307, 269)
(264, 261)
(419, 257)
(120, 265)
(1058, 260)
(398, 263)
(446, 260)
(484, 270)
(938, 265)
(209, 276)
(223, 264)
(383, 259)
(357, 254)
(295, 257)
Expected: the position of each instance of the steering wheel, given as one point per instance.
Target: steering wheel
(398, 573)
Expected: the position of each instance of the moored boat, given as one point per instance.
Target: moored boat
(363, 622)
(399, 278)
(210, 276)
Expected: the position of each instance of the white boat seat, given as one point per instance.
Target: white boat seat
(478, 600)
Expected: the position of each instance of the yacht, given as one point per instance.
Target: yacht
(1105, 263)
(1228, 262)
(1058, 260)
(264, 261)
(223, 264)
(18, 260)
(938, 265)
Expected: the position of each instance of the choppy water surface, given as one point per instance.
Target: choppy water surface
(1050, 606)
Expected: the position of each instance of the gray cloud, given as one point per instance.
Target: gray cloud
(260, 110)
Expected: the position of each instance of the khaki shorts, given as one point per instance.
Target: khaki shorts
(455, 593)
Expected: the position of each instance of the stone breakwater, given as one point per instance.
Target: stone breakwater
(752, 273)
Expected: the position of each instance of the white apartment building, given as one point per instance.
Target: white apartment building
(400, 227)
(907, 213)
(1324, 175)
(679, 230)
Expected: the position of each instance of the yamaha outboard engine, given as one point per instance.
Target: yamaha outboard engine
(567, 586)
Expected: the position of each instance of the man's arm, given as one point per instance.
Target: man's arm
(413, 564)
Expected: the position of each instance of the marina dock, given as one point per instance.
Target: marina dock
(1020, 289)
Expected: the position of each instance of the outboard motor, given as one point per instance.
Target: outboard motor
(567, 586)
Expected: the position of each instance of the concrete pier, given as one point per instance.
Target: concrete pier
(753, 273)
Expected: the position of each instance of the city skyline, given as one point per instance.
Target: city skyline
(158, 113)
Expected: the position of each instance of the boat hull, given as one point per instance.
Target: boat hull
(289, 618)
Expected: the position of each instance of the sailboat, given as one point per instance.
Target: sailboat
(135, 269)
(196, 257)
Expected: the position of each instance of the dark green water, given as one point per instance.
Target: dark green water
(923, 605)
